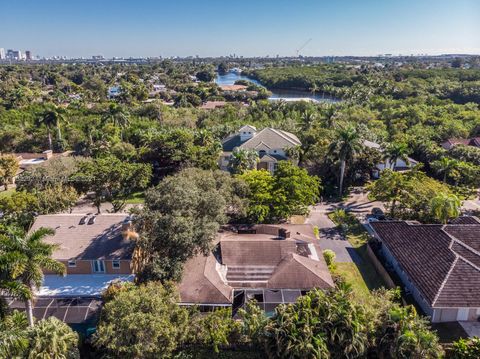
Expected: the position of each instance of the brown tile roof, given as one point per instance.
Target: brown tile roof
(467, 233)
(202, 283)
(440, 260)
(100, 240)
(465, 220)
(256, 260)
(233, 87)
(302, 272)
(210, 105)
(255, 249)
(461, 288)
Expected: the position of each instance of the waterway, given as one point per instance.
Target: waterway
(277, 94)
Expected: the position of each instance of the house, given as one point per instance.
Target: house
(268, 263)
(233, 88)
(438, 264)
(95, 249)
(210, 105)
(452, 142)
(270, 144)
(114, 91)
(399, 165)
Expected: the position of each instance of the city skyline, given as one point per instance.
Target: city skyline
(188, 28)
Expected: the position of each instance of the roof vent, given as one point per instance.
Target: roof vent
(92, 220)
(83, 220)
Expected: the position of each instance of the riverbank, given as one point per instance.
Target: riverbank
(289, 95)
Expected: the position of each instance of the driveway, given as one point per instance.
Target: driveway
(330, 237)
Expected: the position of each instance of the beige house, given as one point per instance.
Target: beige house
(269, 143)
(90, 244)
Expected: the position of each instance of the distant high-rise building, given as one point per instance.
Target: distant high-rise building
(9, 54)
(28, 55)
(2, 53)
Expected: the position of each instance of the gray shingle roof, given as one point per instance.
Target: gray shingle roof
(269, 137)
(441, 261)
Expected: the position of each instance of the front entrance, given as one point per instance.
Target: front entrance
(98, 267)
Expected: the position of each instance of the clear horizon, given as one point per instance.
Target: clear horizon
(215, 28)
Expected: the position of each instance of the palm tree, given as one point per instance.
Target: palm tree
(27, 256)
(347, 144)
(51, 117)
(118, 116)
(446, 166)
(445, 207)
(394, 152)
(242, 160)
(51, 338)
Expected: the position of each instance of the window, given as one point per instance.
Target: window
(98, 266)
(116, 264)
(72, 263)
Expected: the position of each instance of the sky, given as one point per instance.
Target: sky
(148, 28)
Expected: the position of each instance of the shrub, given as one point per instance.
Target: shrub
(329, 257)
(466, 348)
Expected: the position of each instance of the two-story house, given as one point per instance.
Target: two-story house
(95, 249)
(270, 144)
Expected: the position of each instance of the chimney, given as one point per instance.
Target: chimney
(283, 233)
(47, 154)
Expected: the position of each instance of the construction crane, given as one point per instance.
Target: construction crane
(301, 47)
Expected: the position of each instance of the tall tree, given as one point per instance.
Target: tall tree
(181, 218)
(8, 169)
(447, 167)
(346, 145)
(51, 117)
(445, 207)
(27, 256)
(394, 152)
(118, 116)
(111, 179)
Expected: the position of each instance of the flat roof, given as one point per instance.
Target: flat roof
(79, 284)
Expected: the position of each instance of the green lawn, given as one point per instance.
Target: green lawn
(136, 198)
(363, 277)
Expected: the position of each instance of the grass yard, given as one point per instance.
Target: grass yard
(136, 198)
(362, 276)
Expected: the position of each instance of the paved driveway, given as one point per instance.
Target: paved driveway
(330, 238)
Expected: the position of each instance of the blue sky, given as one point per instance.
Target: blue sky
(247, 27)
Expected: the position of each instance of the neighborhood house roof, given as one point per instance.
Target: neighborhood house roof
(262, 256)
(268, 138)
(102, 239)
(443, 261)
